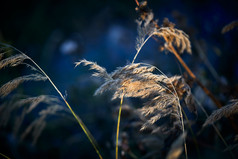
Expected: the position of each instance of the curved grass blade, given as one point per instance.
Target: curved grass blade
(4, 156)
(79, 120)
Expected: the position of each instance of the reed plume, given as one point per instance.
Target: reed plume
(25, 106)
(13, 84)
(229, 27)
(12, 61)
(176, 37)
(172, 37)
(31, 103)
(148, 27)
(38, 125)
(138, 81)
(225, 111)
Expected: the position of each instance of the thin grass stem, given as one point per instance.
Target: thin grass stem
(118, 126)
(4, 156)
(138, 50)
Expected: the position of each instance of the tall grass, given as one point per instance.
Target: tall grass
(166, 101)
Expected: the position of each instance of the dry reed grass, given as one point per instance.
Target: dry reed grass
(25, 106)
(162, 94)
(225, 111)
(13, 84)
(147, 27)
(138, 81)
(229, 27)
(12, 61)
(39, 124)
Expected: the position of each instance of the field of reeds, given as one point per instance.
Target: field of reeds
(119, 79)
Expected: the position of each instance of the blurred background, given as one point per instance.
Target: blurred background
(58, 33)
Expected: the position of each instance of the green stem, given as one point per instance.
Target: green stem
(118, 126)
